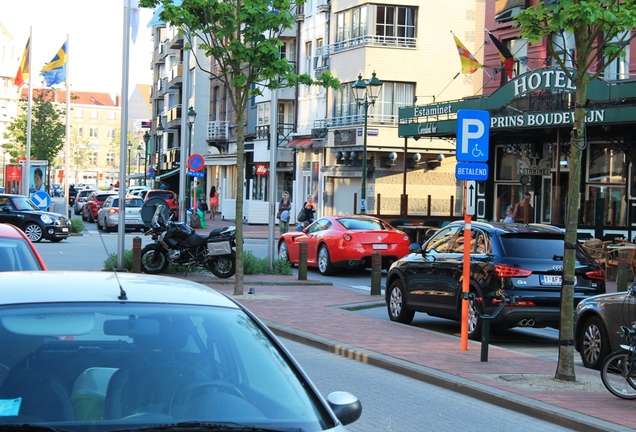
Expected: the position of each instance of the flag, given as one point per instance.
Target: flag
(55, 71)
(23, 69)
(134, 19)
(504, 53)
(469, 63)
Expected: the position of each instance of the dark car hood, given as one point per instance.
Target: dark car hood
(42, 212)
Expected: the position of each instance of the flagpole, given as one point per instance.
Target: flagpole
(27, 162)
(123, 137)
(67, 150)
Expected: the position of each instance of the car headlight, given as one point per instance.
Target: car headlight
(47, 219)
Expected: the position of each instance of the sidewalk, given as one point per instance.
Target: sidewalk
(321, 315)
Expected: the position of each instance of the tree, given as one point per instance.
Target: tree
(47, 131)
(242, 36)
(602, 31)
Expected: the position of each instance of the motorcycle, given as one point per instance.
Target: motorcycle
(177, 243)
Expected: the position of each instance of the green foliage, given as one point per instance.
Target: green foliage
(47, 131)
(77, 225)
(253, 265)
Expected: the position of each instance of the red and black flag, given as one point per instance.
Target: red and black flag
(507, 58)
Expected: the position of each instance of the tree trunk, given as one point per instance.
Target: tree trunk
(240, 180)
(565, 367)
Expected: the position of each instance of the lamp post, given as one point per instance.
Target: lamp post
(365, 93)
(192, 115)
(129, 146)
(146, 141)
(138, 150)
(160, 131)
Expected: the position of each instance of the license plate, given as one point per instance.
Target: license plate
(131, 220)
(550, 280)
(64, 229)
(380, 246)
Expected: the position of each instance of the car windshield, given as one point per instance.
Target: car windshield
(97, 367)
(24, 203)
(15, 255)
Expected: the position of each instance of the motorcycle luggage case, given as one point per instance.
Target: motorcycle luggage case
(219, 248)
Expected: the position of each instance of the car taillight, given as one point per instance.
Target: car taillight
(504, 271)
(346, 237)
(113, 210)
(596, 274)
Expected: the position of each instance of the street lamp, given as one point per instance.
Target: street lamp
(160, 131)
(138, 150)
(129, 146)
(365, 93)
(192, 115)
(146, 141)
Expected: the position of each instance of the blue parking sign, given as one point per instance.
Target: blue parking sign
(473, 130)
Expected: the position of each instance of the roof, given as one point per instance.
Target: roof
(77, 97)
(72, 286)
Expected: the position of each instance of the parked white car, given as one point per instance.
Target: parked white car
(130, 351)
(108, 214)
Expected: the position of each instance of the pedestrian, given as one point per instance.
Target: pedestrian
(163, 186)
(214, 201)
(284, 209)
(518, 213)
(310, 210)
(509, 218)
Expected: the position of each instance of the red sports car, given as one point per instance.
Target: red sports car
(17, 253)
(345, 242)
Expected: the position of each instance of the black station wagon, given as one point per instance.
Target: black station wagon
(524, 261)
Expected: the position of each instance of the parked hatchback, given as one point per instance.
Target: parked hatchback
(597, 323)
(37, 224)
(108, 214)
(94, 202)
(524, 261)
(80, 199)
(140, 352)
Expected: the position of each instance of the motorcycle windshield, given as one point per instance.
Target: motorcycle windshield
(157, 218)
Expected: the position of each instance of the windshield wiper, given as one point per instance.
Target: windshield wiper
(206, 426)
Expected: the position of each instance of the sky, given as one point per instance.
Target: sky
(95, 40)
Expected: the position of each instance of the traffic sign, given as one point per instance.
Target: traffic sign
(41, 199)
(196, 174)
(473, 129)
(196, 162)
(471, 171)
(471, 197)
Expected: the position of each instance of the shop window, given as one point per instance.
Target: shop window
(605, 195)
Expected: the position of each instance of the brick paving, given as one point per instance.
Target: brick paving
(319, 314)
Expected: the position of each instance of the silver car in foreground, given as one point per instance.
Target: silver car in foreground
(131, 351)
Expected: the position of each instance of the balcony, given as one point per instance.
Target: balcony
(160, 54)
(175, 76)
(175, 40)
(218, 130)
(173, 117)
(371, 41)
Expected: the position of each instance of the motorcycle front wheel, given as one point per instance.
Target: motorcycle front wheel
(153, 259)
(223, 266)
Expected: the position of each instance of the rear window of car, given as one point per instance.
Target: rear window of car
(137, 202)
(164, 195)
(533, 245)
(361, 224)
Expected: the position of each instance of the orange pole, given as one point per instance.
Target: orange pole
(466, 275)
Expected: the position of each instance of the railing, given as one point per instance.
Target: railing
(368, 40)
(218, 130)
(174, 113)
(176, 71)
(358, 120)
(284, 132)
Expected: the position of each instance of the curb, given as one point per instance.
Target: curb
(511, 401)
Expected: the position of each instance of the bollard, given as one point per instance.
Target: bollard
(302, 261)
(136, 255)
(376, 273)
(621, 271)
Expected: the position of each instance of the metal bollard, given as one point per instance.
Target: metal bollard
(302, 261)
(621, 271)
(136, 255)
(376, 273)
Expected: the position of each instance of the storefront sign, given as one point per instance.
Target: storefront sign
(544, 119)
(534, 166)
(262, 169)
(542, 80)
(344, 137)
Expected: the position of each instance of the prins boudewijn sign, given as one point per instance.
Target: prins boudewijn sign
(261, 169)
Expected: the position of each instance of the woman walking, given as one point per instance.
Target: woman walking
(214, 202)
(284, 208)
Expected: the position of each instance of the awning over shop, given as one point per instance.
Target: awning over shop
(167, 174)
(220, 160)
(300, 143)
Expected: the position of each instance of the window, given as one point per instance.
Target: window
(111, 133)
(110, 159)
(93, 158)
(618, 69)
(395, 21)
(563, 44)
(93, 132)
(79, 114)
(262, 114)
(93, 114)
(80, 132)
(308, 55)
(112, 116)
(392, 97)
(351, 24)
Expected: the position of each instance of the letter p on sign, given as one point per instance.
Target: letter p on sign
(473, 130)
